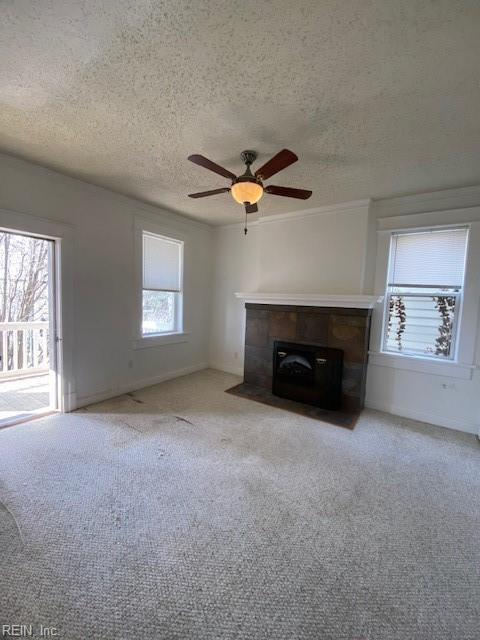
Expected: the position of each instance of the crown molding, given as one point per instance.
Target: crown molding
(317, 211)
(305, 213)
(238, 225)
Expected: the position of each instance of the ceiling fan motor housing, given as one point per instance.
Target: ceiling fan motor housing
(248, 156)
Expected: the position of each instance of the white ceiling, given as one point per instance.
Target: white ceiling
(376, 97)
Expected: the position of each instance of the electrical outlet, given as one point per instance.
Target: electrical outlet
(449, 386)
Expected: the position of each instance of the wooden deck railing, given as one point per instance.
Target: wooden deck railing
(24, 348)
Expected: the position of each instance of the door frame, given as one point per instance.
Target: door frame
(60, 292)
(54, 313)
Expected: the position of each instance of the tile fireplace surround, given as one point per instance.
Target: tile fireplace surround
(341, 322)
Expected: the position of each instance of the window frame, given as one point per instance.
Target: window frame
(463, 363)
(458, 295)
(179, 334)
(178, 299)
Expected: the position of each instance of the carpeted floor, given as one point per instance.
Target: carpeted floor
(182, 512)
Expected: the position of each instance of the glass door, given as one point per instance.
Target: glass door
(28, 381)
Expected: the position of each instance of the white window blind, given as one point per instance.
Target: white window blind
(424, 289)
(162, 263)
(428, 258)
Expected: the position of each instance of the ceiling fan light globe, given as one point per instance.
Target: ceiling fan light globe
(246, 192)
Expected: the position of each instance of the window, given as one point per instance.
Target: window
(162, 284)
(424, 292)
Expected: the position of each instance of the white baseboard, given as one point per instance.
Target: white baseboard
(457, 424)
(163, 377)
(227, 368)
(68, 402)
(135, 385)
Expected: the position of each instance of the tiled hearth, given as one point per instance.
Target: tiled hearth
(340, 328)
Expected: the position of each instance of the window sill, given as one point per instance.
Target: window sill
(157, 340)
(422, 365)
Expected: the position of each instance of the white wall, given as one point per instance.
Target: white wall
(102, 226)
(334, 251)
(235, 268)
(321, 251)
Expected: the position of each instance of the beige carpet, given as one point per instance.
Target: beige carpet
(182, 512)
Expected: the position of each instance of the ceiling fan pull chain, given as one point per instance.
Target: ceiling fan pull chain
(245, 230)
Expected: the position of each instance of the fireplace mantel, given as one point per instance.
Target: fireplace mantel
(348, 301)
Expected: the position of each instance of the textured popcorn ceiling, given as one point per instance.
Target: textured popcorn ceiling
(377, 98)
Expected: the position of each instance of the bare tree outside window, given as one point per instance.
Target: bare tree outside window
(23, 299)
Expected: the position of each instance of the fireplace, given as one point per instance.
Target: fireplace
(308, 373)
(326, 337)
(337, 328)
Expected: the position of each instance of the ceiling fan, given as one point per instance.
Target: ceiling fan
(248, 188)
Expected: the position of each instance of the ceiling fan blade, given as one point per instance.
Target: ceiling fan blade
(251, 208)
(203, 194)
(282, 160)
(288, 192)
(208, 164)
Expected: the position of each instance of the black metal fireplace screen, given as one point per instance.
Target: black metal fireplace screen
(308, 373)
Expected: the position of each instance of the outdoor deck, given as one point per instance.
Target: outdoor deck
(23, 395)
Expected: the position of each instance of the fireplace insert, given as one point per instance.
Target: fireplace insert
(308, 373)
